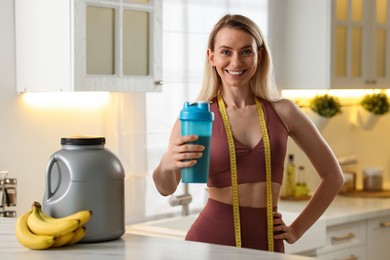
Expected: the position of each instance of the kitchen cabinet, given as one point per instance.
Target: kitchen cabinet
(352, 253)
(378, 238)
(88, 45)
(365, 239)
(347, 241)
(327, 44)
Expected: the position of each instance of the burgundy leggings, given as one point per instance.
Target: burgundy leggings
(215, 225)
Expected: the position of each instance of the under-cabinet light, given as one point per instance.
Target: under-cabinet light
(344, 93)
(73, 100)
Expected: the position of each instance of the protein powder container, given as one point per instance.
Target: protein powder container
(84, 175)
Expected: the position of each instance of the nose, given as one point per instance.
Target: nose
(235, 60)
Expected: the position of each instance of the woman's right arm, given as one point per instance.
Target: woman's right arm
(178, 155)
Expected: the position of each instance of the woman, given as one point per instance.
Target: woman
(239, 80)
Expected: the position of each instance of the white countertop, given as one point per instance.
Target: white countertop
(130, 246)
(345, 209)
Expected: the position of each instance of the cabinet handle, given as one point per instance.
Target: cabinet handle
(159, 82)
(346, 237)
(385, 224)
(351, 257)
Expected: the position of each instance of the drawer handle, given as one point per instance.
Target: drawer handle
(346, 237)
(158, 82)
(385, 224)
(351, 257)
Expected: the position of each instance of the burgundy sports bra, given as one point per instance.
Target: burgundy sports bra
(250, 161)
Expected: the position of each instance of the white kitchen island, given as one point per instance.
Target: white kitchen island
(130, 246)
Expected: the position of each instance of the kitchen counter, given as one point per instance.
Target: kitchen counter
(130, 246)
(345, 209)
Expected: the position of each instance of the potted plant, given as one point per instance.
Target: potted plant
(372, 106)
(324, 107)
(376, 103)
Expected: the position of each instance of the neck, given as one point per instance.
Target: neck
(238, 99)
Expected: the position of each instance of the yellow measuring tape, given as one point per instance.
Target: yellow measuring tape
(233, 167)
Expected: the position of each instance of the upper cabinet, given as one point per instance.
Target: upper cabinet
(88, 45)
(324, 44)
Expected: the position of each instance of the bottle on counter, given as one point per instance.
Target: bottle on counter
(290, 175)
(301, 189)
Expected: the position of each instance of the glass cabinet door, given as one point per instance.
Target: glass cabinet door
(382, 40)
(113, 45)
(361, 42)
(100, 40)
(135, 31)
(348, 35)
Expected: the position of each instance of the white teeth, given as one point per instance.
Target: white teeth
(235, 72)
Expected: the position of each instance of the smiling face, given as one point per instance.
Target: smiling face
(235, 57)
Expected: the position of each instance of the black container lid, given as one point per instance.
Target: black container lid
(83, 140)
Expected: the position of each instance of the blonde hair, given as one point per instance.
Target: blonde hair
(262, 83)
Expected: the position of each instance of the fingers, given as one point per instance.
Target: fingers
(186, 139)
(278, 223)
(184, 153)
(278, 218)
(281, 231)
(184, 144)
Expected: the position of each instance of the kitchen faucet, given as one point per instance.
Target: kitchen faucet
(183, 200)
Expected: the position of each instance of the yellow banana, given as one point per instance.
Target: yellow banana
(63, 240)
(79, 234)
(41, 227)
(27, 238)
(84, 216)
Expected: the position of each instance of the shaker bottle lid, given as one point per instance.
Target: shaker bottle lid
(198, 111)
(83, 140)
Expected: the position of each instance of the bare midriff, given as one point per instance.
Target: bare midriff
(249, 194)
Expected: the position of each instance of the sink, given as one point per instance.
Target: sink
(177, 227)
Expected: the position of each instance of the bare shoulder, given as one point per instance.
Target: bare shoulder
(290, 113)
(284, 105)
(286, 108)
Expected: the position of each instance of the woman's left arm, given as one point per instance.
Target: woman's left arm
(305, 134)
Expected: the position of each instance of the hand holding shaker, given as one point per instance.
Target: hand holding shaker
(196, 119)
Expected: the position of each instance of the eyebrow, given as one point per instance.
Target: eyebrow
(227, 47)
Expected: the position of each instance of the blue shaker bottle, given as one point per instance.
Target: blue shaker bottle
(196, 119)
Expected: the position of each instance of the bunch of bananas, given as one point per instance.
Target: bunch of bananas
(37, 230)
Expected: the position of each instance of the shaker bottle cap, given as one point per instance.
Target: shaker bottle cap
(198, 111)
(83, 140)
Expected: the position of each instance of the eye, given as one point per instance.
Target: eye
(226, 52)
(247, 52)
